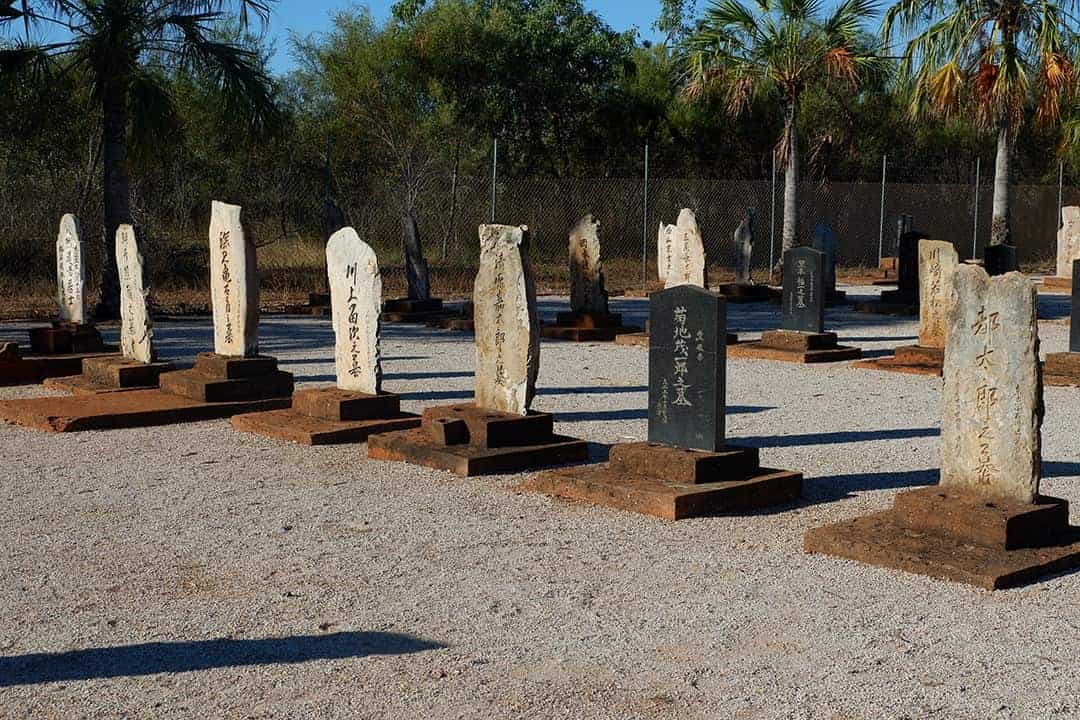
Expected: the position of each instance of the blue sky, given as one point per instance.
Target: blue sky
(308, 16)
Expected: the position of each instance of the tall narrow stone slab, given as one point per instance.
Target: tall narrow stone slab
(824, 241)
(687, 356)
(992, 417)
(71, 271)
(136, 328)
(938, 262)
(234, 284)
(1068, 240)
(587, 294)
(663, 250)
(416, 267)
(744, 248)
(687, 257)
(1074, 325)
(803, 305)
(356, 299)
(506, 320)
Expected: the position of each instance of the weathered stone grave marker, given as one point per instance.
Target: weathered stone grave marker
(498, 432)
(686, 259)
(686, 469)
(1068, 249)
(744, 289)
(985, 523)
(418, 306)
(1063, 368)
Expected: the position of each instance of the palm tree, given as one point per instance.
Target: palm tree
(776, 50)
(124, 50)
(992, 55)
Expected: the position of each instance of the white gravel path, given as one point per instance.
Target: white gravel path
(192, 571)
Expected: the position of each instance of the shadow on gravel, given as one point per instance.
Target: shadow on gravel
(1052, 469)
(835, 438)
(468, 394)
(828, 488)
(151, 658)
(641, 413)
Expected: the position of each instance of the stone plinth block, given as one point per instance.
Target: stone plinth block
(1057, 284)
(329, 416)
(469, 440)
(796, 347)
(111, 373)
(587, 327)
(30, 369)
(673, 483)
(216, 378)
(960, 536)
(909, 359)
(404, 310)
(64, 338)
(1062, 369)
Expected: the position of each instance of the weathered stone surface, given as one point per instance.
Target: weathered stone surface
(136, 328)
(587, 294)
(234, 284)
(663, 250)
(1074, 315)
(416, 267)
(506, 320)
(803, 304)
(71, 271)
(938, 261)
(992, 414)
(824, 241)
(1068, 240)
(744, 248)
(686, 261)
(356, 300)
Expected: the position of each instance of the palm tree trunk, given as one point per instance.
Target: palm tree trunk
(999, 225)
(117, 191)
(790, 233)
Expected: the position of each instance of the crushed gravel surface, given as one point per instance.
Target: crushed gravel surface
(194, 571)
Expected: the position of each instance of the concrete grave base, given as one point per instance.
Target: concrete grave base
(586, 327)
(64, 338)
(1057, 284)
(673, 483)
(736, 292)
(219, 378)
(468, 440)
(31, 369)
(959, 536)
(404, 310)
(112, 373)
(1062, 369)
(329, 416)
(910, 359)
(796, 347)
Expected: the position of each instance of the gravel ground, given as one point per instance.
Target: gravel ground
(193, 571)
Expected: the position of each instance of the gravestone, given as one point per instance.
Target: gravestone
(992, 415)
(1074, 325)
(416, 267)
(803, 306)
(686, 368)
(904, 225)
(1000, 259)
(938, 262)
(234, 284)
(71, 271)
(687, 254)
(507, 325)
(1063, 368)
(663, 250)
(744, 248)
(1068, 240)
(824, 241)
(136, 329)
(356, 298)
(587, 294)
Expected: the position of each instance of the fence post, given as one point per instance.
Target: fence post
(645, 223)
(772, 219)
(494, 174)
(881, 213)
(975, 221)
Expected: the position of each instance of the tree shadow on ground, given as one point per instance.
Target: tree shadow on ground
(160, 657)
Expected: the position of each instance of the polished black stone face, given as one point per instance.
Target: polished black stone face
(687, 353)
(907, 272)
(804, 290)
(1074, 326)
(999, 259)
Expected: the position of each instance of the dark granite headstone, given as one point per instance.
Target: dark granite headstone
(744, 248)
(904, 224)
(1074, 325)
(804, 290)
(907, 272)
(687, 353)
(416, 267)
(999, 259)
(825, 241)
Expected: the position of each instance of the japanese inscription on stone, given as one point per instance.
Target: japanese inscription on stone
(234, 284)
(587, 294)
(938, 261)
(686, 261)
(136, 329)
(355, 298)
(992, 414)
(71, 271)
(803, 305)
